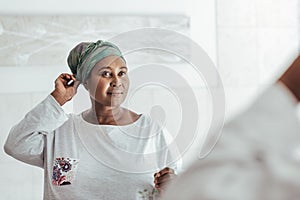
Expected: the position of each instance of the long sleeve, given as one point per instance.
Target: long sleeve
(257, 156)
(25, 141)
(173, 156)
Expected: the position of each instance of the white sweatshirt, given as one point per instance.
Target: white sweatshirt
(256, 158)
(87, 161)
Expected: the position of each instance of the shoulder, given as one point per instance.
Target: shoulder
(70, 122)
(133, 114)
(130, 117)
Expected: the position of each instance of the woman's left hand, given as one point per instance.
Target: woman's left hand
(163, 178)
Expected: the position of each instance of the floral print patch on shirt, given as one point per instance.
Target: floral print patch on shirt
(64, 170)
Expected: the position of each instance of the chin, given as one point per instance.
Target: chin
(115, 104)
(109, 101)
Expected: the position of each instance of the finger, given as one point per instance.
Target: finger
(165, 178)
(163, 171)
(66, 76)
(68, 79)
(73, 77)
(166, 170)
(157, 174)
(162, 185)
(62, 75)
(62, 78)
(161, 188)
(76, 84)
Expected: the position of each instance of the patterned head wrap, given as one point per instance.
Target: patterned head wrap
(83, 57)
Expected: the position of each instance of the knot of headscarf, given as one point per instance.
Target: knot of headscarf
(85, 56)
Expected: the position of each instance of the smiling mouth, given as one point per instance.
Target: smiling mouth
(114, 93)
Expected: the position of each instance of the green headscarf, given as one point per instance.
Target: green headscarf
(83, 57)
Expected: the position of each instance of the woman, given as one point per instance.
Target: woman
(107, 151)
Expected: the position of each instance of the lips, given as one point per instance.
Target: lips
(115, 93)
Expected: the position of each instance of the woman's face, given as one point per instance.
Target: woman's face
(108, 82)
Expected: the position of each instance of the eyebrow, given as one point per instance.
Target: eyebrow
(108, 67)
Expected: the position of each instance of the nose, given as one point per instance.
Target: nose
(115, 83)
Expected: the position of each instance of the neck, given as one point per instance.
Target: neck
(102, 114)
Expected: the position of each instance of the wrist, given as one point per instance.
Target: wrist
(60, 100)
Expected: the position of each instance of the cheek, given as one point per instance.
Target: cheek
(98, 86)
(102, 86)
(126, 83)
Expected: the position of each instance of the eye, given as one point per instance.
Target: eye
(122, 73)
(106, 74)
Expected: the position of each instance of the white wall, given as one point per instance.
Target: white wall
(257, 40)
(202, 12)
(92, 7)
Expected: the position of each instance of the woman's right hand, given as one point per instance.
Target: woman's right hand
(64, 92)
